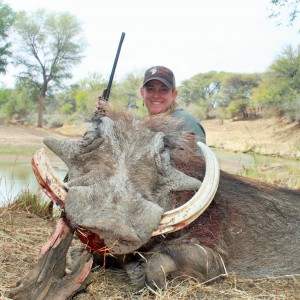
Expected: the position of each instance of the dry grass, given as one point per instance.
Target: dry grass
(23, 233)
(32, 203)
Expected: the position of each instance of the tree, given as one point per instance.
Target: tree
(236, 92)
(285, 7)
(6, 20)
(129, 89)
(50, 45)
(287, 67)
(87, 91)
(202, 89)
(280, 87)
(239, 86)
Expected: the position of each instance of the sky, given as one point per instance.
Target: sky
(188, 36)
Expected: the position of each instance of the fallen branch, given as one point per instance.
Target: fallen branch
(48, 279)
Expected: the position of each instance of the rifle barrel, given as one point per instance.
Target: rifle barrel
(107, 90)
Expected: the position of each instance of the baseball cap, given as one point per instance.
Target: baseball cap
(161, 74)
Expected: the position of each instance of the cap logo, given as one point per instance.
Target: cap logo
(153, 71)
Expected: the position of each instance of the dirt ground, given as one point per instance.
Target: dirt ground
(22, 233)
(264, 136)
(18, 135)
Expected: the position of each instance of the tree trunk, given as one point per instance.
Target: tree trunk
(48, 281)
(41, 110)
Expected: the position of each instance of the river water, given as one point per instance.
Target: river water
(16, 173)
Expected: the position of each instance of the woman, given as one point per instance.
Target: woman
(159, 94)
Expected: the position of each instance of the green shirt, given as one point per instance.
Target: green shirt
(190, 124)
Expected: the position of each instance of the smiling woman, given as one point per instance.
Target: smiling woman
(159, 90)
(159, 94)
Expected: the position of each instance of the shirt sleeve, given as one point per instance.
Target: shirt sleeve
(191, 124)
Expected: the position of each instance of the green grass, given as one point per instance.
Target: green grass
(33, 203)
(23, 150)
(19, 150)
(274, 170)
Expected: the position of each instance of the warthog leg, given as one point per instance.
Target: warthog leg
(194, 260)
(48, 279)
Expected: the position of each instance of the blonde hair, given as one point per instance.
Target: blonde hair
(170, 109)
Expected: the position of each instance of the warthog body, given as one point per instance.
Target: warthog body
(123, 177)
(124, 174)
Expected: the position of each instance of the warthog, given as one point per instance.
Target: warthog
(128, 198)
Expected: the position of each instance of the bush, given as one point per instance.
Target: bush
(19, 106)
(67, 108)
(56, 121)
(291, 109)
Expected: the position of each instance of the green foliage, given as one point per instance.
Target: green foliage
(202, 89)
(81, 98)
(18, 106)
(285, 9)
(280, 88)
(129, 90)
(236, 107)
(4, 96)
(292, 109)
(213, 90)
(76, 118)
(50, 44)
(238, 87)
(6, 20)
(196, 110)
(85, 94)
(67, 108)
(287, 67)
(32, 89)
(125, 94)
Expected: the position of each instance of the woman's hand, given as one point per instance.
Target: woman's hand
(102, 107)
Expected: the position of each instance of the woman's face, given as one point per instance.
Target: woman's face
(157, 96)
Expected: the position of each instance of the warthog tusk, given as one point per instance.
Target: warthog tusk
(180, 217)
(53, 187)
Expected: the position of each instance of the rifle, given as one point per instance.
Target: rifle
(99, 112)
(106, 91)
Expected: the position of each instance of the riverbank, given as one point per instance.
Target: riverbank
(272, 136)
(262, 136)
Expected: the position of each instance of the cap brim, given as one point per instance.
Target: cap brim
(165, 82)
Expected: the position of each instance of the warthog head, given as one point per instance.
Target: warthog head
(121, 174)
